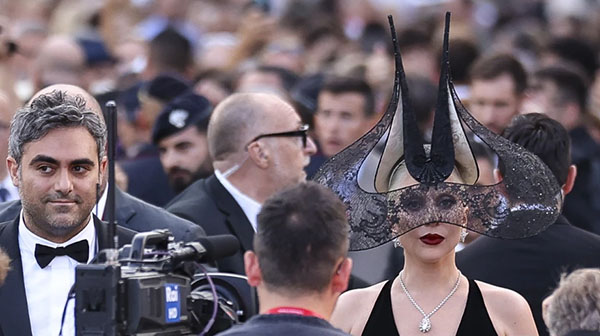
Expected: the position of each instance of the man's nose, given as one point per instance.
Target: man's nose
(167, 160)
(327, 124)
(64, 182)
(311, 147)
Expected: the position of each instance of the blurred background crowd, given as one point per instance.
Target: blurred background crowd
(168, 63)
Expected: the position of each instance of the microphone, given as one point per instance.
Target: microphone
(207, 249)
(220, 246)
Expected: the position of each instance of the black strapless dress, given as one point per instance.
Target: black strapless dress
(475, 319)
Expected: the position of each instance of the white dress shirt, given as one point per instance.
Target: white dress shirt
(47, 288)
(98, 210)
(250, 207)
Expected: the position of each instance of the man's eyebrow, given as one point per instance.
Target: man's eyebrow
(43, 158)
(82, 162)
(51, 160)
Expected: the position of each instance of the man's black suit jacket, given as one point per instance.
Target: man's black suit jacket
(531, 266)
(14, 314)
(206, 202)
(131, 213)
(147, 179)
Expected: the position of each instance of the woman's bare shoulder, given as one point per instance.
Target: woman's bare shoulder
(509, 311)
(354, 307)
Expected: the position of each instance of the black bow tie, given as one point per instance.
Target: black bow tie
(78, 251)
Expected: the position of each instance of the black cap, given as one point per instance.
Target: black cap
(95, 52)
(184, 111)
(166, 87)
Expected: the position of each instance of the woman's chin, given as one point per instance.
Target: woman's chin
(433, 254)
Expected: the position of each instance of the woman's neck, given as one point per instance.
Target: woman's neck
(419, 274)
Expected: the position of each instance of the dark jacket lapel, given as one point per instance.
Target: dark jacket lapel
(14, 314)
(236, 218)
(124, 210)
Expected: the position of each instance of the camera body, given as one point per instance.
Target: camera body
(116, 300)
(146, 292)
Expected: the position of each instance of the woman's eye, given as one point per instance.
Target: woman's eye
(414, 203)
(446, 202)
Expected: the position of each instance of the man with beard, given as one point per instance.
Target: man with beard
(180, 135)
(130, 212)
(56, 159)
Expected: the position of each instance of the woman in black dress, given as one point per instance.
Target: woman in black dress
(425, 197)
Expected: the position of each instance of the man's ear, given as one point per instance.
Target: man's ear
(339, 283)
(259, 154)
(102, 168)
(571, 175)
(252, 269)
(13, 170)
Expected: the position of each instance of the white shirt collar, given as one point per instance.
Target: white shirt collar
(250, 207)
(28, 239)
(98, 210)
(46, 289)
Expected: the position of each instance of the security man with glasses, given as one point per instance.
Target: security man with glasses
(258, 146)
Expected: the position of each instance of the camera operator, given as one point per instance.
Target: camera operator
(56, 159)
(299, 263)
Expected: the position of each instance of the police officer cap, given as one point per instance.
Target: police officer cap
(184, 111)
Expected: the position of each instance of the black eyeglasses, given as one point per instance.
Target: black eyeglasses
(301, 132)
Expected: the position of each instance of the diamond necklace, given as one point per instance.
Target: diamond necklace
(425, 324)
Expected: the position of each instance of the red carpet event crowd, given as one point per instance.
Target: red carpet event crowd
(378, 182)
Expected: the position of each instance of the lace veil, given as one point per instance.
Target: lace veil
(410, 186)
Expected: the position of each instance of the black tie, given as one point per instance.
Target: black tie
(78, 251)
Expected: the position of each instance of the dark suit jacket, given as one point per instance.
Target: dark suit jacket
(133, 214)
(582, 204)
(207, 203)
(531, 266)
(148, 180)
(14, 314)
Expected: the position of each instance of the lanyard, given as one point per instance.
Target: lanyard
(293, 310)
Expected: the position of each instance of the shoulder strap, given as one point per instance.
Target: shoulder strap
(475, 319)
(381, 320)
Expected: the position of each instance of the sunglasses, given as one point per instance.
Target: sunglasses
(301, 132)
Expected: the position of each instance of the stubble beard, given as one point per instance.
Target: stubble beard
(59, 223)
(180, 184)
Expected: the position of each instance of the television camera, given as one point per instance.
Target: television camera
(151, 286)
(151, 291)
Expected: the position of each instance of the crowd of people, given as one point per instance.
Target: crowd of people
(226, 108)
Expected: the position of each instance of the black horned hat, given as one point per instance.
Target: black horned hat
(412, 183)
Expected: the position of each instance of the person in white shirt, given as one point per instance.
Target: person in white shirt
(56, 159)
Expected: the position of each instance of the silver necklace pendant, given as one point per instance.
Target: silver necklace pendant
(425, 325)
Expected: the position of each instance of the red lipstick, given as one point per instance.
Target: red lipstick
(432, 239)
